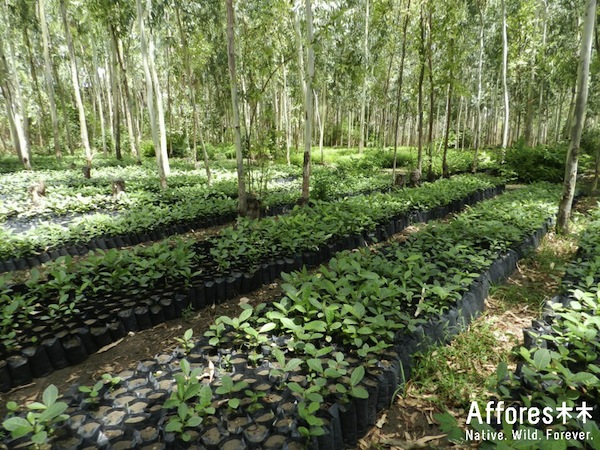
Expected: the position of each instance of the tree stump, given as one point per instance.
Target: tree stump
(253, 207)
(37, 192)
(118, 188)
(415, 178)
(400, 180)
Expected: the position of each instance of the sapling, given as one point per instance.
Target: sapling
(41, 419)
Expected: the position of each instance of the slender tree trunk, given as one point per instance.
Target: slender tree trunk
(10, 91)
(430, 142)
(564, 207)
(477, 143)
(75, 77)
(114, 83)
(164, 157)
(287, 116)
(152, 100)
(99, 101)
(505, 81)
(36, 84)
(308, 104)
(134, 141)
(363, 97)
(540, 123)
(420, 100)
(399, 92)
(445, 171)
(242, 203)
(458, 121)
(191, 82)
(48, 78)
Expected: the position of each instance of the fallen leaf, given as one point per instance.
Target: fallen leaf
(109, 346)
(382, 421)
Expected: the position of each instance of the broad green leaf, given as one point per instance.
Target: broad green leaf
(357, 375)
(50, 395)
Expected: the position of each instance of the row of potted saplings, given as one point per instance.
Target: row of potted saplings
(105, 321)
(325, 395)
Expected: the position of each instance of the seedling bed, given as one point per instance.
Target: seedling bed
(298, 349)
(68, 331)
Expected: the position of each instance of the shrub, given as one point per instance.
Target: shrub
(541, 163)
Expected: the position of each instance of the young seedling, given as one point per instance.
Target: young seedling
(186, 342)
(40, 421)
(228, 388)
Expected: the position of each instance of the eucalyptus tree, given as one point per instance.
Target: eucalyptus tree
(48, 77)
(242, 201)
(153, 95)
(10, 90)
(363, 96)
(10, 87)
(308, 105)
(568, 193)
(185, 29)
(504, 79)
(76, 88)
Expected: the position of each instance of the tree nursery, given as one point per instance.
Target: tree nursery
(312, 224)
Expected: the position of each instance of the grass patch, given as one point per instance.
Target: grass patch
(453, 375)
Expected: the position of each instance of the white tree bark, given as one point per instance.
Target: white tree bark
(504, 80)
(75, 77)
(48, 78)
(162, 164)
(583, 72)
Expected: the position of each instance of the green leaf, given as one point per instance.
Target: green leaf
(53, 411)
(357, 375)
(17, 425)
(315, 365)
(39, 406)
(267, 327)
(194, 421)
(359, 392)
(50, 395)
(541, 359)
(173, 425)
(245, 315)
(39, 438)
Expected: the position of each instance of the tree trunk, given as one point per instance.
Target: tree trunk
(114, 83)
(191, 82)
(430, 142)
(564, 207)
(242, 201)
(11, 93)
(48, 78)
(504, 81)
(363, 97)
(308, 104)
(477, 143)
(445, 171)
(399, 93)
(287, 114)
(75, 77)
(151, 100)
(420, 100)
